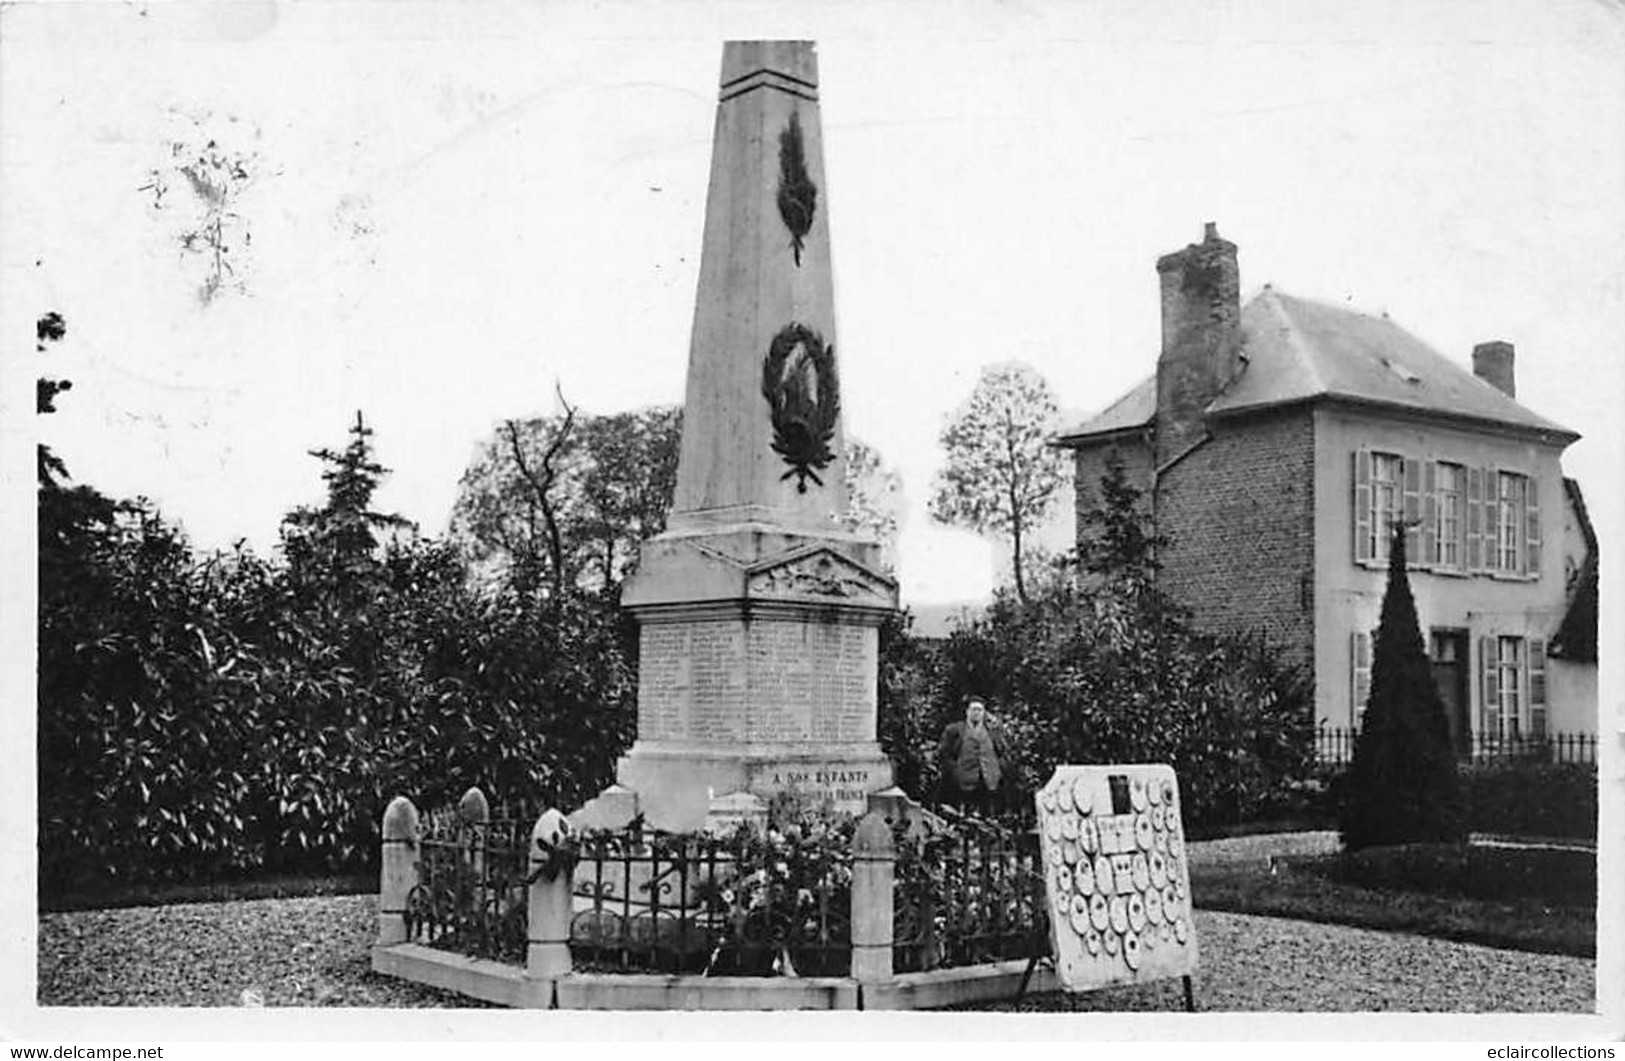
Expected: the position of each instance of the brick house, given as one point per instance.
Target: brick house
(1277, 440)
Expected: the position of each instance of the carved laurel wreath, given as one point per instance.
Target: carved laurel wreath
(800, 385)
(798, 195)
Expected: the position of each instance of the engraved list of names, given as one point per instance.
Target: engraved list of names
(761, 681)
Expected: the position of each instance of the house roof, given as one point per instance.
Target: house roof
(1576, 638)
(1297, 350)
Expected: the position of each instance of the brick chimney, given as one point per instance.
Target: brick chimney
(1492, 363)
(1201, 337)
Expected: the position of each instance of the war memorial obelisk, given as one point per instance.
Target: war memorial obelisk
(758, 618)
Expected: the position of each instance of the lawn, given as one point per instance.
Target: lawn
(1530, 899)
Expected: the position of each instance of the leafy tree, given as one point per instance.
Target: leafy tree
(1001, 474)
(48, 331)
(1401, 787)
(1103, 669)
(576, 494)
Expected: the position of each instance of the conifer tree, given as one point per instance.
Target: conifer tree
(1401, 787)
(338, 540)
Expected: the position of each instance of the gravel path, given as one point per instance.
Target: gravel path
(313, 952)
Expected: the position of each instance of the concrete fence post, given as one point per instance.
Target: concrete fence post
(398, 869)
(548, 954)
(474, 811)
(873, 871)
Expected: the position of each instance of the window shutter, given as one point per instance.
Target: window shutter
(1430, 513)
(1537, 687)
(1489, 689)
(1475, 519)
(1362, 506)
(1360, 674)
(1492, 519)
(1413, 511)
(1532, 532)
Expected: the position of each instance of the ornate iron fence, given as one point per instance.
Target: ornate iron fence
(742, 904)
(968, 893)
(1335, 747)
(472, 879)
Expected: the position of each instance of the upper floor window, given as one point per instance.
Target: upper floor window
(1450, 503)
(1457, 517)
(1511, 536)
(1387, 493)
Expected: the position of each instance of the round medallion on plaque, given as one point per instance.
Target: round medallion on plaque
(1136, 793)
(1104, 878)
(1153, 906)
(1136, 912)
(1078, 914)
(1083, 877)
(1140, 871)
(1142, 832)
(1118, 912)
(1063, 798)
(1082, 797)
(1099, 912)
(1131, 950)
(1089, 836)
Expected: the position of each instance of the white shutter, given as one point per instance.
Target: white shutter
(1532, 528)
(1430, 514)
(1362, 506)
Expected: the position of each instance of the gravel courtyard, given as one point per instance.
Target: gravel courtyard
(313, 952)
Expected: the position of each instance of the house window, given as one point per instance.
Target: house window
(1360, 675)
(1509, 686)
(1514, 688)
(1387, 497)
(1510, 522)
(1452, 497)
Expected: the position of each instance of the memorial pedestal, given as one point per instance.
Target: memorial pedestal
(755, 673)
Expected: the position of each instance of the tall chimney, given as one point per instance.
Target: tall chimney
(1201, 337)
(1492, 363)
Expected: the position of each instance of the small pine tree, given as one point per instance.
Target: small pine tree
(1401, 787)
(338, 541)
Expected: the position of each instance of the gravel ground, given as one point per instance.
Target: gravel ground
(313, 952)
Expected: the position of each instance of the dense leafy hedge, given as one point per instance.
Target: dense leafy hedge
(1074, 680)
(1531, 798)
(204, 717)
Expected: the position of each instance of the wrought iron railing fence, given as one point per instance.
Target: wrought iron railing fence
(1335, 747)
(746, 903)
(473, 877)
(967, 894)
(761, 900)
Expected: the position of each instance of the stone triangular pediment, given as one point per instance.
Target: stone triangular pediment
(819, 572)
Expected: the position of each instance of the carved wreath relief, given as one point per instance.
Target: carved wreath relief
(799, 383)
(798, 195)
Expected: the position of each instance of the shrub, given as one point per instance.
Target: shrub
(1401, 786)
(1531, 799)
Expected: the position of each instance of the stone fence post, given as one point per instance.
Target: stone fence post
(873, 870)
(398, 869)
(548, 954)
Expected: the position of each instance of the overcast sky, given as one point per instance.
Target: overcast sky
(451, 207)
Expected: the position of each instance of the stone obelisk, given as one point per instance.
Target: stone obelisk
(758, 617)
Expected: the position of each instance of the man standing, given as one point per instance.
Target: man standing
(969, 760)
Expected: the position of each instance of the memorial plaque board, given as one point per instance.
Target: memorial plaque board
(845, 785)
(1116, 882)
